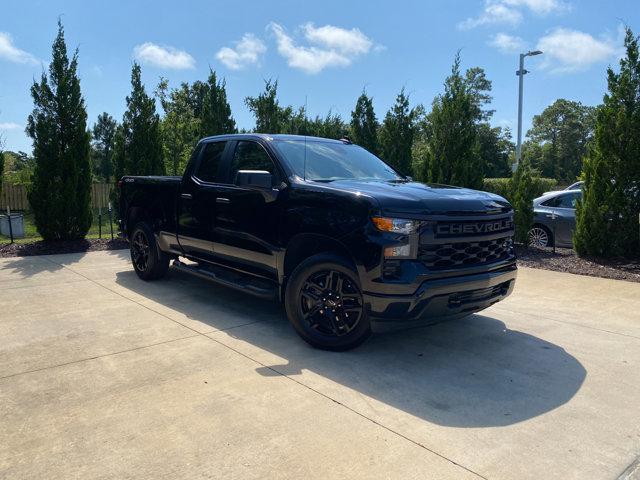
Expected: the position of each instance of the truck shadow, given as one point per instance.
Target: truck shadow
(472, 372)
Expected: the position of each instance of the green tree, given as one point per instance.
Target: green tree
(364, 124)
(523, 193)
(607, 218)
(479, 87)
(179, 126)
(270, 116)
(562, 131)
(396, 134)
(216, 118)
(496, 149)
(451, 135)
(60, 193)
(138, 143)
(104, 132)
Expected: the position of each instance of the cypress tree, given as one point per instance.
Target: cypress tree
(522, 197)
(396, 135)
(60, 193)
(138, 143)
(364, 124)
(216, 112)
(451, 131)
(607, 218)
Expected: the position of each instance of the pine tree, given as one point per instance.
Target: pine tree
(60, 193)
(364, 124)
(139, 151)
(396, 135)
(607, 218)
(451, 132)
(104, 132)
(216, 118)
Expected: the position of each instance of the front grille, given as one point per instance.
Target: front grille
(465, 254)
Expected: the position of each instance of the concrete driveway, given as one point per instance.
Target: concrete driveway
(105, 376)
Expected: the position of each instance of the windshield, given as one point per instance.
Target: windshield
(328, 161)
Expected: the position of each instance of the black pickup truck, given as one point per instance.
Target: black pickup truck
(326, 227)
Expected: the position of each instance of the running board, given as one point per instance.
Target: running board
(232, 279)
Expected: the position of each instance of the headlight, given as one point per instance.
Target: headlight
(396, 225)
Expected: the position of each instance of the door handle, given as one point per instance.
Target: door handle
(222, 200)
(186, 196)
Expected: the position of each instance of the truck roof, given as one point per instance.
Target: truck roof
(270, 137)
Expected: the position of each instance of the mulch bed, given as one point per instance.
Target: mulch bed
(67, 246)
(566, 260)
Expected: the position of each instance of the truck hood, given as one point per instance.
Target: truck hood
(414, 198)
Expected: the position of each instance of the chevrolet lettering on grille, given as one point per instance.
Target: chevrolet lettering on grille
(474, 228)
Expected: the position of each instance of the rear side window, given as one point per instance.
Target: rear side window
(250, 156)
(211, 158)
(568, 200)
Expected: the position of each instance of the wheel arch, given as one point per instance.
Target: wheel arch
(305, 245)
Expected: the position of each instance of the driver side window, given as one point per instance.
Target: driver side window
(250, 156)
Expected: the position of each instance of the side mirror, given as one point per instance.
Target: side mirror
(254, 178)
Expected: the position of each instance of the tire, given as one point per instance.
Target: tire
(324, 303)
(540, 236)
(149, 262)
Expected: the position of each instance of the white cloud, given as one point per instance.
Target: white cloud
(507, 43)
(247, 52)
(10, 52)
(9, 126)
(163, 57)
(330, 46)
(540, 7)
(509, 12)
(568, 50)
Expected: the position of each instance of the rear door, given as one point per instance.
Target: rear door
(247, 217)
(197, 201)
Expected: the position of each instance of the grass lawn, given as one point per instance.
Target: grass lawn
(32, 235)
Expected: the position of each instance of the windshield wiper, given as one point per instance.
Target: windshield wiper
(322, 180)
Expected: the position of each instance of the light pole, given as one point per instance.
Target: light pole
(521, 73)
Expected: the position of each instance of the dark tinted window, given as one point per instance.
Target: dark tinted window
(211, 158)
(250, 156)
(568, 200)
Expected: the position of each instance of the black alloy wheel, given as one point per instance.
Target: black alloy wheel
(325, 304)
(149, 262)
(331, 304)
(140, 251)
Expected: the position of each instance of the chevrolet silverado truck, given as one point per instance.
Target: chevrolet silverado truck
(329, 229)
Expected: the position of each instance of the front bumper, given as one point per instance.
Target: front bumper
(445, 297)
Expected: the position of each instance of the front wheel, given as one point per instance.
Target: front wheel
(149, 262)
(324, 303)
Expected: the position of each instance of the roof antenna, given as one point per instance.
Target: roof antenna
(304, 172)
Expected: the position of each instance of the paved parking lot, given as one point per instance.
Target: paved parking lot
(105, 376)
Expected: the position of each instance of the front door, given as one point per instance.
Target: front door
(197, 203)
(247, 217)
(565, 218)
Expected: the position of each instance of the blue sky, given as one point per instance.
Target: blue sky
(324, 51)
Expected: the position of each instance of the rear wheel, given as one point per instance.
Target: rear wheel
(324, 303)
(149, 262)
(540, 236)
